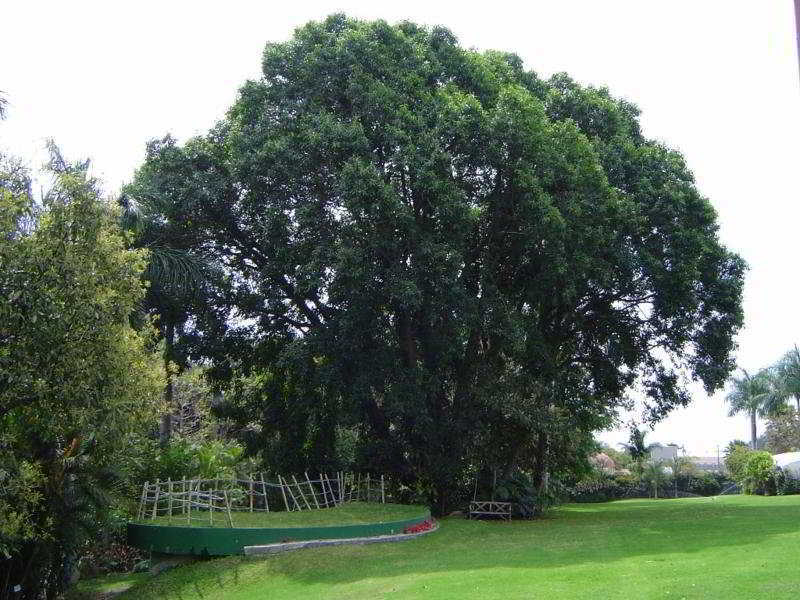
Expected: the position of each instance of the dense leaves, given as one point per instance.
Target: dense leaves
(77, 385)
(434, 247)
(783, 431)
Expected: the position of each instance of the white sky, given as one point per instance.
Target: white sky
(717, 79)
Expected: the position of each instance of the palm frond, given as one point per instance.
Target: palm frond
(174, 269)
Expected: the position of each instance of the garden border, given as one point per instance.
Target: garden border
(287, 546)
(219, 541)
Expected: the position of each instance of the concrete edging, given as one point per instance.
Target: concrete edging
(287, 546)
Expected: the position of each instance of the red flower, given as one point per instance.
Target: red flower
(425, 525)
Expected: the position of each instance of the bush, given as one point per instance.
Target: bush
(756, 477)
(596, 490)
(99, 558)
(520, 491)
(735, 460)
(702, 484)
(186, 457)
(785, 483)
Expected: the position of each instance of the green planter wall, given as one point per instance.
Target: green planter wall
(215, 541)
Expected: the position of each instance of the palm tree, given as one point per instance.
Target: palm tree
(175, 276)
(636, 446)
(754, 395)
(655, 476)
(787, 377)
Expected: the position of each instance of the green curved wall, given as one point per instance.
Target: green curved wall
(214, 541)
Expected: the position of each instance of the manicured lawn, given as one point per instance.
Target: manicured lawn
(351, 513)
(732, 547)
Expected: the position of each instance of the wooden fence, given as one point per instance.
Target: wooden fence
(188, 500)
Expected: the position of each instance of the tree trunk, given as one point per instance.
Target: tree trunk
(541, 475)
(753, 435)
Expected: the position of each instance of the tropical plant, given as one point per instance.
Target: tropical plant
(788, 376)
(636, 446)
(194, 458)
(655, 476)
(176, 277)
(753, 396)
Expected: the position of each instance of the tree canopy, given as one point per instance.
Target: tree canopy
(460, 260)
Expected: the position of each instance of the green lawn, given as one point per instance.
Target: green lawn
(730, 547)
(106, 585)
(351, 513)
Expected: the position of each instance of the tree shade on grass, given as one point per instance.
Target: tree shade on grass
(351, 513)
(726, 547)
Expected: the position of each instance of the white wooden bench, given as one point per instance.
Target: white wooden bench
(490, 508)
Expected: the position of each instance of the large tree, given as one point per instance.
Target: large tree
(471, 263)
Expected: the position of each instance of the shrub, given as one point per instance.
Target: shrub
(785, 483)
(735, 459)
(702, 484)
(598, 488)
(519, 490)
(185, 457)
(757, 474)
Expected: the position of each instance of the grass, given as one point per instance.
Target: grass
(731, 547)
(106, 585)
(351, 513)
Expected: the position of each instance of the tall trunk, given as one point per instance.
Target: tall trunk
(753, 435)
(165, 431)
(541, 476)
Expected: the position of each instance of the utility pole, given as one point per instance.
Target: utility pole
(797, 27)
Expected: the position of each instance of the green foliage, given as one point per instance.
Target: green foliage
(783, 431)
(736, 456)
(444, 251)
(598, 488)
(636, 447)
(786, 375)
(655, 476)
(785, 483)
(621, 458)
(756, 477)
(77, 384)
(752, 395)
(520, 490)
(188, 458)
(702, 484)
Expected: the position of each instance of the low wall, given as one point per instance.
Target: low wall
(218, 541)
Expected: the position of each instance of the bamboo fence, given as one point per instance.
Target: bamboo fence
(188, 501)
